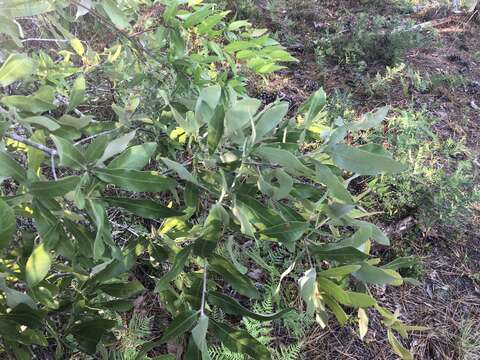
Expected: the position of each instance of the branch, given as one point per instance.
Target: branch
(41, 147)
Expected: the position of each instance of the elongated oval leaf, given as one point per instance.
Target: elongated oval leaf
(148, 209)
(269, 119)
(134, 158)
(182, 323)
(37, 266)
(10, 168)
(16, 67)
(232, 306)
(284, 158)
(134, 180)
(177, 268)
(363, 162)
(49, 189)
(16, 8)
(88, 333)
(180, 170)
(7, 224)
(287, 232)
(42, 121)
(70, 155)
(236, 279)
(240, 341)
(344, 254)
(121, 289)
(115, 14)
(215, 129)
(77, 94)
(116, 147)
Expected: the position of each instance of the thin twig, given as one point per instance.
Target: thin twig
(46, 40)
(54, 172)
(204, 289)
(95, 135)
(21, 139)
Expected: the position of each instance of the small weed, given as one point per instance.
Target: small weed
(439, 185)
(362, 40)
(469, 340)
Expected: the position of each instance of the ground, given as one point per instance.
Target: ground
(447, 300)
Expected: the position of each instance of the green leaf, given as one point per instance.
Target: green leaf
(16, 67)
(122, 289)
(229, 245)
(357, 299)
(397, 347)
(12, 29)
(260, 215)
(17, 8)
(240, 341)
(103, 229)
(199, 333)
(197, 16)
(180, 170)
(239, 45)
(211, 95)
(362, 162)
(50, 189)
(215, 129)
(343, 254)
(7, 224)
(177, 267)
(233, 307)
(10, 168)
(340, 271)
(25, 315)
(237, 280)
(337, 310)
(115, 305)
(42, 100)
(116, 147)
(314, 106)
(376, 233)
(42, 121)
(134, 158)
(77, 94)
(212, 232)
(333, 290)
(284, 158)
(325, 176)
(70, 156)
(76, 123)
(245, 226)
(289, 231)
(307, 284)
(269, 119)
(134, 180)
(240, 115)
(370, 120)
(88, 333)
(374, 275)
(182, 323)
(38, 265)
(115, 14)
(148, 209)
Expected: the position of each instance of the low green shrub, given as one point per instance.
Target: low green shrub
(440, 186)
(132, 168)
(364, 40)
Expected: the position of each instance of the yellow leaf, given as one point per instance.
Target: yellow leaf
(77, 46)
(362, 322)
